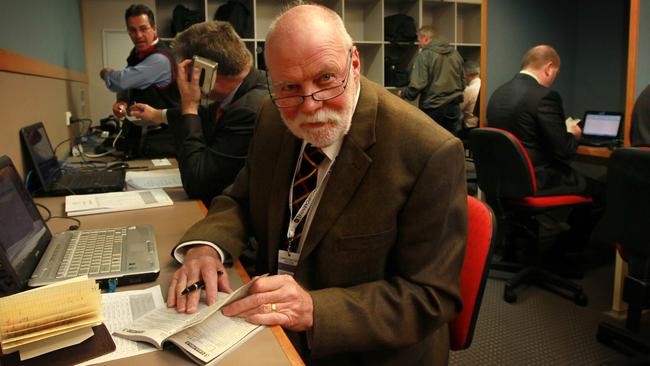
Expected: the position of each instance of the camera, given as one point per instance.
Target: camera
(207, 74)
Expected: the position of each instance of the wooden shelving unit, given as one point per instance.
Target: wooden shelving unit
(457, 20)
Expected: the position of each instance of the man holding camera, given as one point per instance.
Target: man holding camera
(149, 78)
(212, 142)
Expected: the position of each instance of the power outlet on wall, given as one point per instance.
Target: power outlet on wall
(68, 118)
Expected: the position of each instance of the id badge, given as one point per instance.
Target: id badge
(287, 262)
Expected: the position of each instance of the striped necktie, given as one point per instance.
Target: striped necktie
(303, 184)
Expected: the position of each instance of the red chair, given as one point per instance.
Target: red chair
(474, 273)
(506, 176)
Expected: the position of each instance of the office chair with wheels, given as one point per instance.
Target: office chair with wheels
(506, 176)
(628, 199)
(474, 273)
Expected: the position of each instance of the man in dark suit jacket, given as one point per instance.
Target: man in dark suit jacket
(529, 109)
(379, 258)
(212, 141)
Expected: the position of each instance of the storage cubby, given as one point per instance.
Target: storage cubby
(164, 12)
(442, 17)
(468, 24)
(459, 21)
(363, 20)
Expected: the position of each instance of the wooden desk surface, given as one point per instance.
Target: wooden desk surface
(270, 346)
(601, 152)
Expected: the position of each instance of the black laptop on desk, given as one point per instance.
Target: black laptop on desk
(53, 179)
(601, 129)
(30, 254)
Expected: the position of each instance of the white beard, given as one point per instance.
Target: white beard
(337, 122)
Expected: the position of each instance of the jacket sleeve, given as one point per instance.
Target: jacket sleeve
(551, 120)
(422, 294)
(209, 165)
(419, 78)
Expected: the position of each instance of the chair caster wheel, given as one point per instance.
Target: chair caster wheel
(509, 296)
(580, 299)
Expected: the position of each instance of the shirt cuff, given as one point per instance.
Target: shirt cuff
(164, 120)
(179, 252)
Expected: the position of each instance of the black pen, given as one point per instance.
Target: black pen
(196, 285)
(193, 287)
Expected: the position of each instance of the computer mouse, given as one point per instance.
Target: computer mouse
(117, 165)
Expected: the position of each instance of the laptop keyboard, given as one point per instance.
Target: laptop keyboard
(86, 180)
(92, 252)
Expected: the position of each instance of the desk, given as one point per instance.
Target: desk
(270, 345)
(601, 152)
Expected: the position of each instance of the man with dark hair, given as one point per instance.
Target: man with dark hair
(361, 219)
(437, 77)
(150, 77)
(212, 142)
(528, 108)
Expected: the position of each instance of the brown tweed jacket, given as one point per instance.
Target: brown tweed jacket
(383, 254)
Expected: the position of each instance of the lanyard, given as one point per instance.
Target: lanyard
(306, 205)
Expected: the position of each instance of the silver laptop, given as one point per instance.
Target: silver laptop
(601, 128)
(31, 255)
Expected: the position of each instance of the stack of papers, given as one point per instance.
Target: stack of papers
(86, 204)
(158, 178)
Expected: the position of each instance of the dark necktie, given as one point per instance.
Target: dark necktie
(303, 184)
(218, 113)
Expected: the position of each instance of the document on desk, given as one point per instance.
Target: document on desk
(158, 178)
(206, 336)
(86, 204)
(119, 310)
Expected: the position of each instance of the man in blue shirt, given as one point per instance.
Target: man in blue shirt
(150, 78)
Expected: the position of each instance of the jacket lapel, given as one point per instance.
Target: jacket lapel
(348, 170)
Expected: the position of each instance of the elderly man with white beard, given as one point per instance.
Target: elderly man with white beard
(364, 265)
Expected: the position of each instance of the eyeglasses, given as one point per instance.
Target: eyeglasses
(319, 95)
(143, 29)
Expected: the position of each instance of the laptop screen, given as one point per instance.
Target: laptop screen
(24, 236)
(602, 124)
(40, 150)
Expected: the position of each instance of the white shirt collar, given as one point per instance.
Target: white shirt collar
(530, 74)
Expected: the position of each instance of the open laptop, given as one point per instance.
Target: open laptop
(30, 254)
(56, 181)
(601, 128)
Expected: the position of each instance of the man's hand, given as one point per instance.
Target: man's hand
(147, 113)
(575, 130)
(119, 109)
(104, 71)
(190, 92)
(201, 262)
(275, 300)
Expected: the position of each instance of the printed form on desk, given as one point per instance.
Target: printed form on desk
(119, 310)
(86, 204)
(157, 178)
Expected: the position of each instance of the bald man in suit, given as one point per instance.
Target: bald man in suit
(532, 111)
(380, 254)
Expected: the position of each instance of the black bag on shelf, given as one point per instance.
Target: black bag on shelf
(400, 28)
(183, 18)
(237, 14)
(396, 63)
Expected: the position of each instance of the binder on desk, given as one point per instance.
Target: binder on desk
(99, 344)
